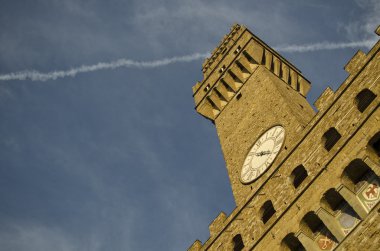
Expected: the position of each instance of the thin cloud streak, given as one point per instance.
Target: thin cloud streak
(39, 76)
(324, 46)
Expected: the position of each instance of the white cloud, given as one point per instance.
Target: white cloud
(202, 23)
(364, 26)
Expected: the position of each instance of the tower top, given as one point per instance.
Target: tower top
(227, 41)
(232, 63)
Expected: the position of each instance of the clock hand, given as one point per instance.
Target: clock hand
(263, 153)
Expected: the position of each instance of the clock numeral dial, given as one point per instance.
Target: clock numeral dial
(262, 154)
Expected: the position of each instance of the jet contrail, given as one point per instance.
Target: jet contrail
(40, 76)
(325, 46)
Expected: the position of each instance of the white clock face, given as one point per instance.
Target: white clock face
(262, 154)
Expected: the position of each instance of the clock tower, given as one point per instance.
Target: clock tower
(257, 101)
(301, 180)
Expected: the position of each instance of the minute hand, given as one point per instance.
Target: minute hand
(263, 153)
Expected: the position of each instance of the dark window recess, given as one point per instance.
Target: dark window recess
(312, 221)
(292, 243)
(375, 143)
(333, 199)
(237, 50)
(267, 211)
(222, 69)
(298, 175)
(330, 138)
(238, 242)
(356, 173)
(364, 99)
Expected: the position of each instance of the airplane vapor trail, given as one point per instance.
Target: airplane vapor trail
(325, 46)
(40, 76)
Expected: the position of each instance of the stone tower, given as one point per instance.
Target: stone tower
(300, 179)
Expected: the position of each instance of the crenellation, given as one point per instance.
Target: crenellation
(356, 62)
(217, 224)
(196, 246)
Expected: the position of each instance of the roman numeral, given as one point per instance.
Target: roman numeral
(252, 153)
(258, 143)
(277, 143)
(274, 132)
(245, 174)
(281, 132)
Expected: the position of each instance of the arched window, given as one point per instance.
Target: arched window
(355, 174)
(238, 242)
(330, 138)
(291, 243)
(374, 143)
(311, 224)
(332, 200)
(267, 210)
(364, 99)
(298, 175)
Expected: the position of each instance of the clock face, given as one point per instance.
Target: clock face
(262, 154)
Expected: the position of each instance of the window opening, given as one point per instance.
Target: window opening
(267, 211)
(222, 69)
(311, 224)
(206, 88)
(374, 143)
(356, 174)
(364, 99)
(298, 175)
(238, 242)
(237, 50)
(330, 138)
(291, 243)
(333, 200)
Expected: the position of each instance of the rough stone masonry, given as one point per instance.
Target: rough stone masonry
(320, 191)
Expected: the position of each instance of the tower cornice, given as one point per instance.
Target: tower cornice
(232, 63)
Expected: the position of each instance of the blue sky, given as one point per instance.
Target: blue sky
(117, 159)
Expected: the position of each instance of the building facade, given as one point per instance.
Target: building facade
(302, 180)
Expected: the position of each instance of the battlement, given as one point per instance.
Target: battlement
(232, 63)
(226, 43)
